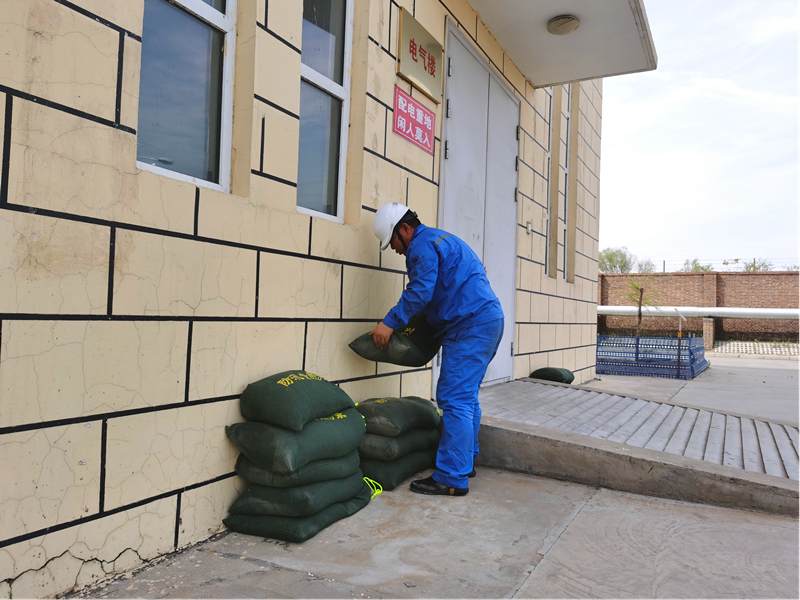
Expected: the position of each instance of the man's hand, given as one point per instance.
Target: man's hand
(381, 334)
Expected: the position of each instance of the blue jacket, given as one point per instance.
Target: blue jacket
(447, 282)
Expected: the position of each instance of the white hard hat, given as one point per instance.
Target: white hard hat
(386, 219)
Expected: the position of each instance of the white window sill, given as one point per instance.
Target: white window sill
(181, 177)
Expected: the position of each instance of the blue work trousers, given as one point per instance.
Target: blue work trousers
(465, 356)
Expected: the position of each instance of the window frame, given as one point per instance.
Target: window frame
(568, 93)
(341, 93)
(226, 23)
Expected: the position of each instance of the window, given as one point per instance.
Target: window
(186, 90)
(324, 106)
(567, 192)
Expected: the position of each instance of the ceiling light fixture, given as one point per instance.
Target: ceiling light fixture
(563, 24)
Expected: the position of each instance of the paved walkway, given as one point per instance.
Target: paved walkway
(753, 444)
(758, 348)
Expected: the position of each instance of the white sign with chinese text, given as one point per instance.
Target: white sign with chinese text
(420, 57)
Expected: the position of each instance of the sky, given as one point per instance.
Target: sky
(700, 156)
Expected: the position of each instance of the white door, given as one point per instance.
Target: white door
(477, 196)
(500, 221)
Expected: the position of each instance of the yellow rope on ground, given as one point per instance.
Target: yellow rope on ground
(376, 487)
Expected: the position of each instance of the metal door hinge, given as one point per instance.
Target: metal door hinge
(516, 164)
(512, 348)
(516, 194)
(449, 67)
(518, 132)
(446, 149)
(447, 109)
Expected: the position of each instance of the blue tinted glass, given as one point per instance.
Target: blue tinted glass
(218, 4)
(180, 93)
(318, 169)
(323, 37)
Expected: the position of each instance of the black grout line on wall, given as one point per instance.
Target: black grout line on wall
(258, 280)
(354, 379)
(173, 318)
(196, 209)
(386, 129)
(396, 164)
(587, 235)
(103, 444)
(261, 156)
(549, 323)
(389, 45)
(111, 255)
(177, 520)
(276, 106)
(310, 231)
(530, 260)
(369, 209)
(279, 38)
(555, 296)
(111, 415)
(433, 165)
(121, 54)
(379, 101)
(379, 45)
(75, 523)
(99, 19)
(266, 13)
(6, 149)
(407, 181)
(185, 236)
(341, 293)
(305, 345)
(66, 109)
(556, 350)
(274, 178)
(589, 257)
(188, 360)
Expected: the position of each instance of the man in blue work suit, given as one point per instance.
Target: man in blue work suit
(448, 283)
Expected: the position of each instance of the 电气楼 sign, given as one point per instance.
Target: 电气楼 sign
(419, 57)
(413, 121)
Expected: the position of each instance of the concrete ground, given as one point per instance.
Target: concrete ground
(512, 536)
(521, 536)
(765, 387)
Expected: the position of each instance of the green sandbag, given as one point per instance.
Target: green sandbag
(291, 399)
(413, 345)
(554, 374)
(381, 447)
(390, 473)
(282, 451)
(393, 416)
(298, 529)
(318, 470)
(302, 501)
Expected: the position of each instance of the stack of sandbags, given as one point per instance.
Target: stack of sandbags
(299, 457)
(401, 440)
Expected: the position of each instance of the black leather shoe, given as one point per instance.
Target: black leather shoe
(472, 474)
(434, 488)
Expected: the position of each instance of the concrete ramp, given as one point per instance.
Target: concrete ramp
(640, 446)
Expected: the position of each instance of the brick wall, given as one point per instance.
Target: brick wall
(733, 290)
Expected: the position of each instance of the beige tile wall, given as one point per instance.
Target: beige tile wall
(135, 308)
(563, 316)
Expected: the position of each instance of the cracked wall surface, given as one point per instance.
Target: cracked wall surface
(135, 307)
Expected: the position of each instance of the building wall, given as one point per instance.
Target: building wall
(135, 308)
(732, 290)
